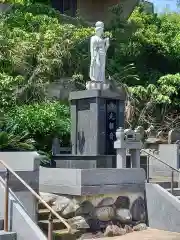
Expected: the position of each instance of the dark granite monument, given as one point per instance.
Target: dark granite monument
(95, 116)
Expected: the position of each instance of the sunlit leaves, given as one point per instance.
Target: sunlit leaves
(48, 118)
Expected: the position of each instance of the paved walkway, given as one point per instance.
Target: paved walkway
(150, 234)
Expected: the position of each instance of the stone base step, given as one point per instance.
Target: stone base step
(65, 235)
(165, 184)
(57, 224)
(43, 214)
(176, 191)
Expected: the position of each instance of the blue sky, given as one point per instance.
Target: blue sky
(160, 5)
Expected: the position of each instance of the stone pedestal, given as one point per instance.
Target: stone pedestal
(128, 139)
(95, 114)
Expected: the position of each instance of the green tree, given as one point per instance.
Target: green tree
(37, 44)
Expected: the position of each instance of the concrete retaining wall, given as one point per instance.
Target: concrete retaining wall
(7, 235)
(163, 209)
(90, 181)
(26, 165)
(19, 219)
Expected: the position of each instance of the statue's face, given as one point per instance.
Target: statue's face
(99, 31)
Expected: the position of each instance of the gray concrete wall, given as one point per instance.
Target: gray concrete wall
(19, 219)
(7, 236)
(169, 153)
(20, 161)
(163, 209)
(26, 165)
(90, 181)
(158, 169)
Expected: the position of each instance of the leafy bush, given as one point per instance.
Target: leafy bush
(42, 122)
(14, 142)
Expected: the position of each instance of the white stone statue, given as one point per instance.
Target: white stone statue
(98, 48)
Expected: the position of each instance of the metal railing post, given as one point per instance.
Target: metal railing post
(148, 169)
(6, 201)
(172, 182)
(50, 227)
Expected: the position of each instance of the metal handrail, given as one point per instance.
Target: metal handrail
(37, 196)
(174, 169)
(166, 164)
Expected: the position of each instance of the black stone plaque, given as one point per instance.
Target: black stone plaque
(83, 104)
(111, 126)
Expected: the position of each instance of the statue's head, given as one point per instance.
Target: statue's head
(99, 28)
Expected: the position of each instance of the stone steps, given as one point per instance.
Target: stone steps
(176, 191)
(165, 184)
(59, 230)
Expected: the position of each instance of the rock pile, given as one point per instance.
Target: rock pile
(109, 217)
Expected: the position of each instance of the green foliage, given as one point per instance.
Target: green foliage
(37, 45)
(42, 122)
(12, 142)
(153, 46)
(8, 90)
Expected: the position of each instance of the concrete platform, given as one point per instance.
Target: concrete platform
(83, 182)
(150, 234)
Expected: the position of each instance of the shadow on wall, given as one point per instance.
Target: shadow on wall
(81, 141)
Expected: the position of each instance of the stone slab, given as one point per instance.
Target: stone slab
(80, 164)
(169, 153)
(20, 161)
(96, 93)
(90, 181)
(102, 161)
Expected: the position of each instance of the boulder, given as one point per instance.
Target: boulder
(48, 197)
(70, 209)
(123, 215)
(140, 227)
(67, 206)
(95, 225)
(78, 222)
(122, 202)
(86, 209)
(114, 230)
(104, 213)
(128, 229)
(109, 201)
(138, 210)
